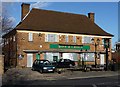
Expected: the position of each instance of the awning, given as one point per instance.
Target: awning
(30, 51)
(62, 51)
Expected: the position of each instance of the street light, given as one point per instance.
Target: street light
(106, 47)
(96, 44)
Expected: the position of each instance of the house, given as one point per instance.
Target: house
(116, 53)
(51, 35)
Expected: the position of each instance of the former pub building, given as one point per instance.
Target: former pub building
(52, 35)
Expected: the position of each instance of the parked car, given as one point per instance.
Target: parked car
(65, 63)
(93, 67)
(43, 66)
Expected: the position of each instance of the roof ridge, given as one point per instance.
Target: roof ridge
(58, 12)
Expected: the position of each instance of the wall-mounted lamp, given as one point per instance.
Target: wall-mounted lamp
(40, 46)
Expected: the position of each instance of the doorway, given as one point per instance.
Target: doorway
(29, 59)
(102, 59)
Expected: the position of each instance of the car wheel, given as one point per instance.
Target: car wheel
(87, 69)
(70, 65)
(41, 71)
(33, 69)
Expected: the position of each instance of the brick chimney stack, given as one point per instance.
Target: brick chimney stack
(91, 16)
(24, 9)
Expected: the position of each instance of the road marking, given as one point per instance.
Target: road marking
(94, 85)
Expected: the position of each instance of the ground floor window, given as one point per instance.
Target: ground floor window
(87, 56)
(90, 57)
(71, 56)
(52, 56)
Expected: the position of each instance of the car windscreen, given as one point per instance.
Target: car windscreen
(47, 63)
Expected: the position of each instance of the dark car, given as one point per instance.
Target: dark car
(43, 66)
(65, 63)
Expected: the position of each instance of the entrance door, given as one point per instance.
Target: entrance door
(102, 59)
(29, 60)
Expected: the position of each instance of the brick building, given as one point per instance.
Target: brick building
(116, 53)
(51, 35)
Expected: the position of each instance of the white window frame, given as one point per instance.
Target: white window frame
(48, 39)
(6, 41)
(66, 38)
(74, 39)
(83, 39)
(30, 36)
(13, 38)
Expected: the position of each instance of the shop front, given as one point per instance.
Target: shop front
(77, 53)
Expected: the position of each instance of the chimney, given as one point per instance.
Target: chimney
(24, 9)
(91, 16)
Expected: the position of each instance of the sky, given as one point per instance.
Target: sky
(106, 13)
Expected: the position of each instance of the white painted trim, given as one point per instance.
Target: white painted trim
(25, 16)
(27, 31)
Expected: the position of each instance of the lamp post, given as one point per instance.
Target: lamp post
(96, 44)
(106, 48)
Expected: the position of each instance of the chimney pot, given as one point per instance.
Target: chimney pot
(91, 16)
(24, 9)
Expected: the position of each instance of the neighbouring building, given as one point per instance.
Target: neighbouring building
(116, 53)
(51, 35)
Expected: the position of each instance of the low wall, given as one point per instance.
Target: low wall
(1, 65)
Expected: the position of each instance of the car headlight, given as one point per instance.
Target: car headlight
(44, 67)
(53, 67)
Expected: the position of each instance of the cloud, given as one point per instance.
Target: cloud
(40, 4)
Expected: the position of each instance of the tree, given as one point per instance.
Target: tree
(7, 21)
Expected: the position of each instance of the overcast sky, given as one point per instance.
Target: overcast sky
(106, 13)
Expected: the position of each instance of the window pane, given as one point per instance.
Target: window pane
(46, 37)
(74, 39)
(66, 38)
(87, 57)
(86, 39)
(52, 38)
(30, 36)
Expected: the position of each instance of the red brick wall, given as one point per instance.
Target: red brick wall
(24, 44)
(21, 43)
(10, 49)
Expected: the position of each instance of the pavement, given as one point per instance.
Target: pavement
(15, 75)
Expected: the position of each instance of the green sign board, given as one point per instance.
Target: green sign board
(75, 47)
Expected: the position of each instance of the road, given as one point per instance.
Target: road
(111, 81)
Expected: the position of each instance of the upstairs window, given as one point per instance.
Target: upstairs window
(51, 38)
(74, 39)
(66, 38)
(13, 38)
(7, 41)
(30, 37)
(86, 39)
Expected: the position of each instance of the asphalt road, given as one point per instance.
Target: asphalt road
(111, 81)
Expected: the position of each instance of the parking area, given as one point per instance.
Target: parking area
(24, 74)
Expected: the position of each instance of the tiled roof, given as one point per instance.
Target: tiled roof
(53, 21)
